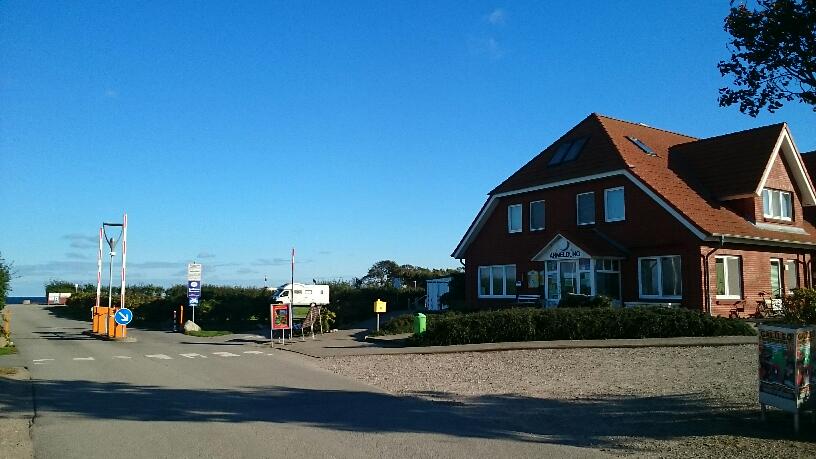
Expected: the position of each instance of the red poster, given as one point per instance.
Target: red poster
(280, 317)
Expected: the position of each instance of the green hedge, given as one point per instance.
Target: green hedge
(534, 324)
(405, 323)
(353, 304)
(229, 306)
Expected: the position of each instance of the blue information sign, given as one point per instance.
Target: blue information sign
(123, 316)
(193, 292)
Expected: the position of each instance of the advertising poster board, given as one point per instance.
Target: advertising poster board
(281, 317)
(785, 366)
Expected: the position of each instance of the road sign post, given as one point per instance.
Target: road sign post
(379, 307)
(193, 286)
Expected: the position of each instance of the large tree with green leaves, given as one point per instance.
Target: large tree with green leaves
(5, 280)
(773, 58)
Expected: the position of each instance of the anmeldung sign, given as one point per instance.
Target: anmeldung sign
(560, 249)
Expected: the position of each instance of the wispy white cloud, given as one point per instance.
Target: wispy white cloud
(82, 241)
(497, 17)
(77, 256)
(111, 93)
(204, 255)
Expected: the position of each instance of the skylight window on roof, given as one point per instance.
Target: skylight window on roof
(646, 149)
(568, 151)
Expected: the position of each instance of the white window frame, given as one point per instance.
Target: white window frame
(510, 218)
(606, 205)
(786, 275)
(543, 216)
(490, 281)
(728, 295)
(660, 294)
(777, 194)
(578, 210)
(598, 267)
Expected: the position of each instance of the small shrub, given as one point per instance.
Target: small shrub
(800, 306)
(533, 324)
(585, 301)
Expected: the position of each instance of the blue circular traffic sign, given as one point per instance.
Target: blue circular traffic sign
(123, 316)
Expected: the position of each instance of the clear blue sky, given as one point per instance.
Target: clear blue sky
(354, 131)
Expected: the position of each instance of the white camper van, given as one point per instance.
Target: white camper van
(304, 294)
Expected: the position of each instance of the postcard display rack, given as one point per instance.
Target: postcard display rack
(785, 368)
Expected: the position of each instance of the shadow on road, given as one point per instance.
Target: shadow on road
(592, 422)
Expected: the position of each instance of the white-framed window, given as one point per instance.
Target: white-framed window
(536, 215)
(660, 277)
(607, 277)
(497, 281)
(777, 204)
(614, 205)
(585, 208)
(514, 218)
(729, 277)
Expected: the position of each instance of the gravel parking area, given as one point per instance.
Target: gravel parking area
(665, 402)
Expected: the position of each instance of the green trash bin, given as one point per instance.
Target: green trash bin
(419, 323)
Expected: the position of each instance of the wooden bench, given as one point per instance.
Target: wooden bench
(528, 299)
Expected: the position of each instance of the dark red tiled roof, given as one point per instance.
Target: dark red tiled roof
(743, 154)
(597, 155)
(686, 172)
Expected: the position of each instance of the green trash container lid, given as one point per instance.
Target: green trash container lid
(419, 314)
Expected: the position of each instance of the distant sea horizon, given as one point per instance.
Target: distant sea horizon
(20, 299)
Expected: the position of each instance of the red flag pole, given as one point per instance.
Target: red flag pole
(292, 298)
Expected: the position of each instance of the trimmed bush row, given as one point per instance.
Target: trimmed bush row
(533, 324)
(405, 323)
(237, 306)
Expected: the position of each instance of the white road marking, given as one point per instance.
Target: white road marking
(226, 354)
(122, 357)
(84, 358)
(253, 352)
(41, 360)
(40, 363)
(250, 336)
(193, 355)
(159, 356)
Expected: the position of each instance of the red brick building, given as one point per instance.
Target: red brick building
(645, 215)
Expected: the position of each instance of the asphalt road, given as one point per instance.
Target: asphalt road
(170, 395)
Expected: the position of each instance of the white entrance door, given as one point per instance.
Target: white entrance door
(568, 277)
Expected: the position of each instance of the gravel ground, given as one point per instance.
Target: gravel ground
(666, 402)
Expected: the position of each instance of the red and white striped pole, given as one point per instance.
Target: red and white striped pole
(124, 260)
(98, 274)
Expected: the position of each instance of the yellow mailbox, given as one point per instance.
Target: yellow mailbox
(379, 306)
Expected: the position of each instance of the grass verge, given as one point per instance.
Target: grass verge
(8, 350)
(208, 333)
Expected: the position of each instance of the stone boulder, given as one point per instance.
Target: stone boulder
(191, 326)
